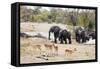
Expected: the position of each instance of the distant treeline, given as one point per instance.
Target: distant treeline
(74, 17)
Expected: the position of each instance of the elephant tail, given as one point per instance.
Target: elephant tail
(49, 36)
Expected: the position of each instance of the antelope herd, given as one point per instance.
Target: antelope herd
(51, 50)
(47, 50)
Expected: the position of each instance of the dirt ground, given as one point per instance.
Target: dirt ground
(37, 50)
(39, 27)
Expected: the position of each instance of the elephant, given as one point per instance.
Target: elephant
(64, 35)
(85, 36)
(55, 30)
(92, 35)
(82, 35)
(78, 32)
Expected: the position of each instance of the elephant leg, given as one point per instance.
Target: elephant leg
(79, 39)
(83, 40)
(76, 38)
(65, 41)
(49, 36)
(55, 38)
(61, 40)
(70, 41)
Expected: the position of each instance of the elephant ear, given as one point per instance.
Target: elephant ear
(77, 28)
(79, 31)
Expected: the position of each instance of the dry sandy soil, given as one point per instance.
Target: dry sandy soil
(36, 50)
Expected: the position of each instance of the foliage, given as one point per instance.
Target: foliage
(68, 16)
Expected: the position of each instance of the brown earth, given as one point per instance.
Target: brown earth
(33, 50)
(36, 50)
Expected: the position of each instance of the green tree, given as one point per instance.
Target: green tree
(53, 14)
